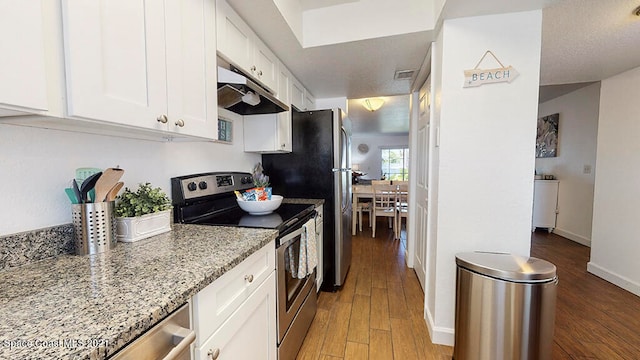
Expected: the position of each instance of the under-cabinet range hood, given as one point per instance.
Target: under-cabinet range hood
(239, 94)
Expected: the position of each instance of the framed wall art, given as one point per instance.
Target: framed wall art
(547, 136)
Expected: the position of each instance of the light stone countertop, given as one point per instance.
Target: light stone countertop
(88, 307)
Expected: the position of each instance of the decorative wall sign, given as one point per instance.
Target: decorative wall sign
(547, 136)
(476, 77)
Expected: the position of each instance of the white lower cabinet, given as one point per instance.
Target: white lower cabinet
(545, 204)
(250, 332)
(235, 316)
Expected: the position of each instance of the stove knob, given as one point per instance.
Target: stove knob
(244, 180)
(192, 186)
(202, 185)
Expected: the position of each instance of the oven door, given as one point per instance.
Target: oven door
(291, 290)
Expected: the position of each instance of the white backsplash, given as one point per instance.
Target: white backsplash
(37, 164)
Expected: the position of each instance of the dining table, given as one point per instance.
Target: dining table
(362, 192)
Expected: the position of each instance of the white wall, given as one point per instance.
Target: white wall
(486, 158)
(37, 164)
(577, 138)
(614, 240)
(371, 162)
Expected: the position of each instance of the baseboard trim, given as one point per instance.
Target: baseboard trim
(614, 278)
(439, 335)
(573, 237)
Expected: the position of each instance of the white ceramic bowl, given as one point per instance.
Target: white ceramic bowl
(261, 207)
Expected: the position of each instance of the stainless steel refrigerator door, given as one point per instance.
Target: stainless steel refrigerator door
(342, 178)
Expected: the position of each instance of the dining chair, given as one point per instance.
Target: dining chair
(402, 206)
(360, 208)
(384, 204)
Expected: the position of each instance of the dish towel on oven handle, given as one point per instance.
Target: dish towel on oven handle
(308, 250)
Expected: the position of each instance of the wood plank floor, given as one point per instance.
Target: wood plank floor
(378, 312)
(594, 318)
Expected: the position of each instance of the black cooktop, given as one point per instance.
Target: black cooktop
(280, 219)
(209, 199)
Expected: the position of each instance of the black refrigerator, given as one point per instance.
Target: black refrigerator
(319, 167)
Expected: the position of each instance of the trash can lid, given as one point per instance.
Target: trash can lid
(507, 266)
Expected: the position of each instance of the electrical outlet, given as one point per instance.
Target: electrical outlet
(586, 169)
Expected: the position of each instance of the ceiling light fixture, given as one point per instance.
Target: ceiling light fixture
(373, 104)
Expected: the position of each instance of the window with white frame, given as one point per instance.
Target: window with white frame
(395, 163)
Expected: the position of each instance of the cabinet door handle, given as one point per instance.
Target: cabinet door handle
(162, 119)
(260, 73)
(253, 68)
(213, 354)
(186, 337)
(249, 278)
(180, 123)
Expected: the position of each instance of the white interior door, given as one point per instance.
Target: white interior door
(422, 187)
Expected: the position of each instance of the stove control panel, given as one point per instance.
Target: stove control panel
(199, 185)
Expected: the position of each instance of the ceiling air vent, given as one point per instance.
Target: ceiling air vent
(404, 75)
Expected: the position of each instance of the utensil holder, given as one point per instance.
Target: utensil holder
(94, 227)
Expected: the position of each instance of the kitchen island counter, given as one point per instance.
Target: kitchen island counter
(88, 307)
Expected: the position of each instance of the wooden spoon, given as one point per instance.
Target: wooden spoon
(111, 195)
(107, 180)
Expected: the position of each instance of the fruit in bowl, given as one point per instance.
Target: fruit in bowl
(262, 207)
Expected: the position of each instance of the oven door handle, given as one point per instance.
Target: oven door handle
(290, 238)
(290, 222)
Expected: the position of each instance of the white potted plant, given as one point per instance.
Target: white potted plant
(142, 214)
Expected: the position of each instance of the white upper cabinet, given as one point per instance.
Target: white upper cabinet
(23, 74)
(284, 84)
(239, 45)
(234, 37)
(297, 94)
(309, 101)
(266, 65)
(268, 133)
(122, 68)
(191, 67)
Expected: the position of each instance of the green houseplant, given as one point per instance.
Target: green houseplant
(142, 214)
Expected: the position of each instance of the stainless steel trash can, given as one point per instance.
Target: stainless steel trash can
(505, 307)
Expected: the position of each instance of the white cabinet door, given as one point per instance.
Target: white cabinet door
(115, 61)
(545, 204)
(23, 79)
(250, 332)
(267, 133)
(284, 143)
(234, 36)
(239, 45)
(214, 304)
(284, 84)
(297, 94)
(309, 101)
(266, 65)
(191, 68)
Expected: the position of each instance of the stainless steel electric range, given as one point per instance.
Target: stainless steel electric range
(209, 199)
